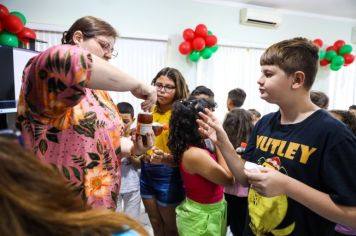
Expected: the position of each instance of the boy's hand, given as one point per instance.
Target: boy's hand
(268, 182)
(127, 128)
(209, 125)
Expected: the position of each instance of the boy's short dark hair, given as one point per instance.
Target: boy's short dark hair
(125, 107)
(292, 55)
(352, 107)
(202, 90)
(320, 99)
(237, 97)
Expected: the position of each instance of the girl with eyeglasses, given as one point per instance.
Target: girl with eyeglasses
(69, 120)
(160, 182)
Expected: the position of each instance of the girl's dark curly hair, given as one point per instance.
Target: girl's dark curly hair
(183, 128)
(238, 125)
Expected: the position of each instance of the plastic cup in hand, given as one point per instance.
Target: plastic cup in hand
(252, 167)
(157, 128)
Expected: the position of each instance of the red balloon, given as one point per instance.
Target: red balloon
(198, 44)
(318, 42)
(26, 34)
(188, 34)
(211, 40)
(331, 48)
(185, 48)
(3, 11)
(338, 44)
(201, 31)
(324, 62)
(349, 58)
(13, 24)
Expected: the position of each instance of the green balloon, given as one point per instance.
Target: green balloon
(214, 49)
(346, 49)
(338, 61)
(206, 53)
(334, 67)
(330, 55)
(194, 56)
(20, 15)
(321, 54)
(9, 39)
(210, 33)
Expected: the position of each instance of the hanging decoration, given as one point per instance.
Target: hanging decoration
(337, 55)
(198, 43)
(12, 28)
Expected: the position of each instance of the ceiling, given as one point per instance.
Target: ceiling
(330, 8)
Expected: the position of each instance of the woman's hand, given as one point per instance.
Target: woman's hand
(148, 93)
(139, 147)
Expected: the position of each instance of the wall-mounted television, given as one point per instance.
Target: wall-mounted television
(12, 63)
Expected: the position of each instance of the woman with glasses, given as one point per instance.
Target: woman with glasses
(160, 182)
(69, 120)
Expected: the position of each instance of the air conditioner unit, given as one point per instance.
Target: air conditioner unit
(260, 18)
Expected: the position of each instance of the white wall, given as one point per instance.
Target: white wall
(168, 18)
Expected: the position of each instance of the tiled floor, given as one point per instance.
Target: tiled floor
(143, 219)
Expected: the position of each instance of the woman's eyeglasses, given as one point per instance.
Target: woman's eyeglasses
(165, 88)
(106, 46)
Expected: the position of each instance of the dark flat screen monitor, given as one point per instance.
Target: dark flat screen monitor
(12, 63)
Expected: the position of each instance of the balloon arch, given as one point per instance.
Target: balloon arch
(198, 43)
(337, 55)
(12, 28)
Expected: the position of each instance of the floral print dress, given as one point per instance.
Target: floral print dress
(74, 128)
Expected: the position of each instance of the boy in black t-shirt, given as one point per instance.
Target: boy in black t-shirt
(305, 179)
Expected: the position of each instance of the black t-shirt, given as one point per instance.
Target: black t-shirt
(320, 151)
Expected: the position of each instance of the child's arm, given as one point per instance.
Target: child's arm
(198, 161)
(136, 161)
(210, 126)
(221, 160)
(272, 183)
(160, 157)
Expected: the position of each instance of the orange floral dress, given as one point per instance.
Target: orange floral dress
(74, 128)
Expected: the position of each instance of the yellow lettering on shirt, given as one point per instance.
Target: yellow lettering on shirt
(275, 144)
(280, 149)
(292, 148)
(284, 148)
(265, 145)
(306, 152)
(259, 140)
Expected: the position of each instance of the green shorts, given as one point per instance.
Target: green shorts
(195, 218)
